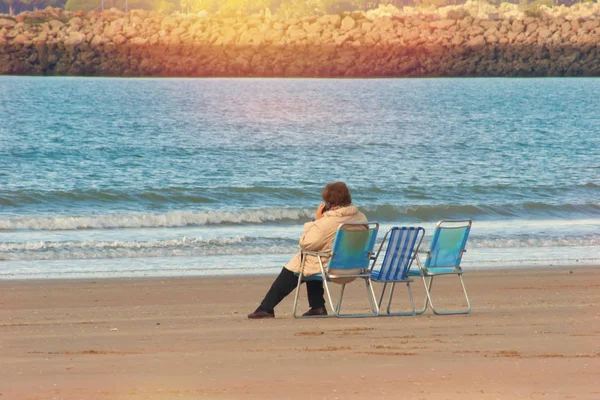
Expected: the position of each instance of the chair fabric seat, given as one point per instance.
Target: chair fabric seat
(376, 277)
(332, 278)
(435, 271)
(315, 277)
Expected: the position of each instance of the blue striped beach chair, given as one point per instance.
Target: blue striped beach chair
(349, 259)
(402, 246)
(443, 259)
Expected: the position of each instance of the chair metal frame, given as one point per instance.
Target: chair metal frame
(326, 277)
(398, 255)
(426, 273)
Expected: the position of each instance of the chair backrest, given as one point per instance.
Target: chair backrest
(353, 246)
(402, 246)
(448, 243)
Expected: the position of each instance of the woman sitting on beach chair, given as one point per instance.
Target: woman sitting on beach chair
(318, 235)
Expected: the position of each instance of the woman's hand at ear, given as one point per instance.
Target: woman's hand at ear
(320, 211)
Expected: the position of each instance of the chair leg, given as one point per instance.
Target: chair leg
(389, 306)
(339, 304)
(331, 304)
(426, 302)
(454, 312)
(372, 300)
(372, 297)
(382, 294)
(412, 303)
(297, 294)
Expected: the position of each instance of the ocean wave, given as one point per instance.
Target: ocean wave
(163, 220)
(193, 195)
(437, 212)
(170, 195)
(234, 246)
(381, 213)
(179, 242)
(180, 247)
(94, 196)
(532, 242)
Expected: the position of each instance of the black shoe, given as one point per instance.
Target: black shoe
(260, 314)
(315, 311)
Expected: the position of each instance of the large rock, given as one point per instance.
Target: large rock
(315, 27)
(591, 25)
(478, 42)
(74, 39)
(20, 39)
(56, 25)
(169, 23)
(252, 36)
(575, 25)
(115, 28)
(339, 40)
(6, 23)
(518, 26)
(119, 40)
(442, 24)
(334, 20)
(544, 33)
(229, 33)
(296, 34)
(273, 35)
(348, 23)
(75, 21)
(457, 40)
(96, 41)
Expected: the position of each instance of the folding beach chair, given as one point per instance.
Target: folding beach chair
(349, 259)
(401, 251)
(443, 258)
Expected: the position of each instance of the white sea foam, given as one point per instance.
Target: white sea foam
(242, 245)
(164, 220)
(176, 247)
(151, 266)
(155, 244)
(85, 254)
(534, 242)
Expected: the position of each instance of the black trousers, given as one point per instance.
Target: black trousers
(284, 284)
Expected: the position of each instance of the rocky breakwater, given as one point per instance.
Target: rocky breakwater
(139, 43)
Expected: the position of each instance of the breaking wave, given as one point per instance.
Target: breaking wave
(180, 247)
(382, 213)
(163, 220)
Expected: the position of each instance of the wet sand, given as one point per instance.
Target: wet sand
(533, 334)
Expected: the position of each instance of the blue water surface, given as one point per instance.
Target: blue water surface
(128, 170)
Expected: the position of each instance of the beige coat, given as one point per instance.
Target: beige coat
(319, 235)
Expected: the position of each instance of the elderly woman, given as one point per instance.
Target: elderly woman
(318, 235)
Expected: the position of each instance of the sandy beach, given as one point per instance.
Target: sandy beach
(533, 334)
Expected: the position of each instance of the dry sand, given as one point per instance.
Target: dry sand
(533, 334)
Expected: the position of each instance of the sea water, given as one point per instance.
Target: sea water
(178, 177)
